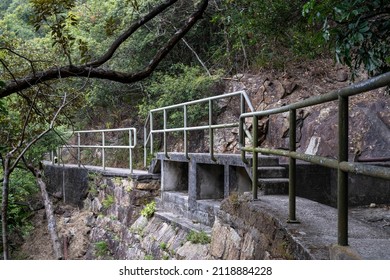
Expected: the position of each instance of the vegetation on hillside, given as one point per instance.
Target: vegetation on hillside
(70, 64)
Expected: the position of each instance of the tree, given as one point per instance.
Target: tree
(358, 31)
(92, 69)
(33, 79)
(20, 143)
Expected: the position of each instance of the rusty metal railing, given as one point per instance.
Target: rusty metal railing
(150, 129)
(341, 164)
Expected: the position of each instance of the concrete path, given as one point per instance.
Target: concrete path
(317, 230)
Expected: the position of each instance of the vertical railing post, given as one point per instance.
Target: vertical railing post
(211, 131)
(145, 146)
(130, 152)
(103, 151)
(58, 155)
(185, 132)
(78, 150)
(241, 133)
(151, 133)
(342, 180)
(255, 157)
(165, 134)
(292, 169)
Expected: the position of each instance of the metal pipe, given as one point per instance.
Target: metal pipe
(255, 157)
(292, 169)
(145, 146)
(222, 96)
(103, 151)
(59, 155)
(165, 134)
(241, 134)
(203, 127)
(185, 132)
(78, 150)
(342, 178)
(130, 153)
(381, 172)
(211, 131)
(151, 134)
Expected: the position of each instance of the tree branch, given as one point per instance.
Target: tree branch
(91, 70)
(32, 142)
(134, 27)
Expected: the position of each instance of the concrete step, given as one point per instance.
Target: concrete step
(272, 172)
(182, 222)
(175, 202)
(268, 160)
(273, 186)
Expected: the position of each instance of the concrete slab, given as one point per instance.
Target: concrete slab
(317, 230)
(182, 222)
(114, 172)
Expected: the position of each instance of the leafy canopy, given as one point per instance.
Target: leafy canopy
(358, 31)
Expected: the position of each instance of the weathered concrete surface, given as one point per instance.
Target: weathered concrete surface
(202, 211)
(71, 182)
(68, 182)
(262, 229)
(320, 184)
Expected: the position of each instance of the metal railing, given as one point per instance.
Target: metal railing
(341, 164)
(132, 134)
(148, 136)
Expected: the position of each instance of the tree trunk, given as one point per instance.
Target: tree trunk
(4, 211)
(51, 221)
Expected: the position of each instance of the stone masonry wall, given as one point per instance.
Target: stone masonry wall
(243, 231)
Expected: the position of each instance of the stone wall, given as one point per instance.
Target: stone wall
(120, 232)
(245, 232)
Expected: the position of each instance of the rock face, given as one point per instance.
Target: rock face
(243, 233)
(317, 125)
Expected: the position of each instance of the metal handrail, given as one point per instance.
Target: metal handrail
(341, 164)
(132, 143)
(148, 136)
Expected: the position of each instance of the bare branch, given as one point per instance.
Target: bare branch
(98, 73)
(197, 57)
(134, 27)
(32, 142)
(26, 121)
(31, 62)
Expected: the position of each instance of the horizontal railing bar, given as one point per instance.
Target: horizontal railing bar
(105, 130)
(98, 146)
(214, 126)
(226, 95)
(327, 162)
(366, 169)
(371, 84)
(356, 168)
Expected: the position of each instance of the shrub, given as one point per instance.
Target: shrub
(198, 237)
(149, 209)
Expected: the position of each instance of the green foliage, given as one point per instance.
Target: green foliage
(22, 191)
(163, 246)
(181, 84)
(148, 258)
(149, 209)
(198, 237)
(358, 31)
(108, 201)
(266, 33)
(101, 248)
